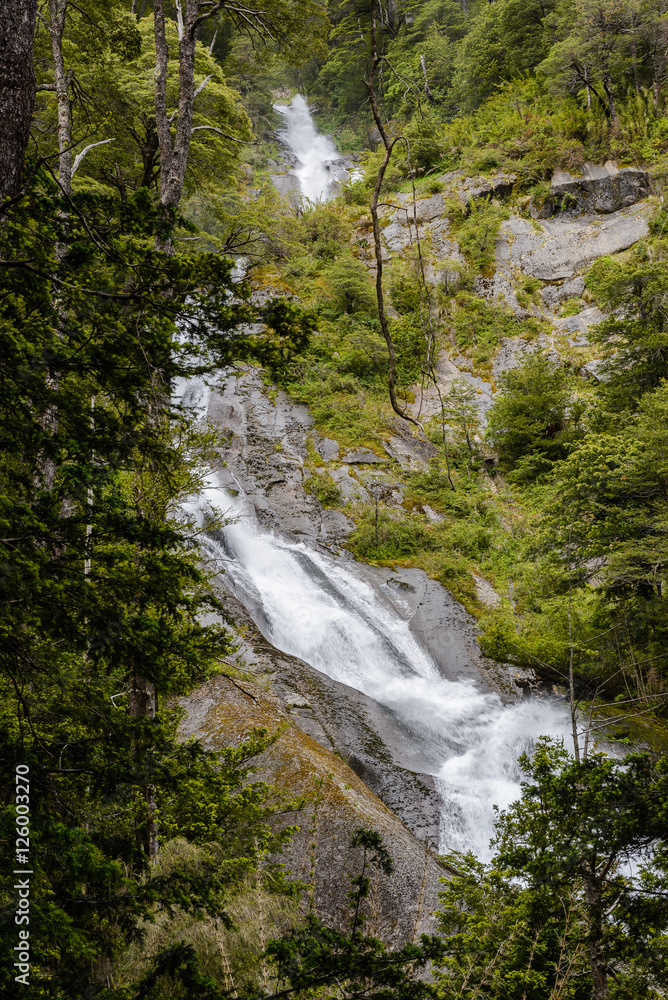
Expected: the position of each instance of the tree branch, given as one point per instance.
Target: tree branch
(212, 128)
(79, 157)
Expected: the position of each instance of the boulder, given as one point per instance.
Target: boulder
(485, 188)
(327, 448)
(600, 190)
(580, 323)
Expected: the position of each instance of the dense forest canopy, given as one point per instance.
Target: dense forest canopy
(137, 141)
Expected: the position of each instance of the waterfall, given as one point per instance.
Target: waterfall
(319, 163)
(316, 607)
(310, 605)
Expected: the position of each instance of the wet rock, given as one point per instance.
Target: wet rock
(335, 526)
(557, 249)
(285, 184)
(601, 190)
(266, 451)
(362, 456)
(222, 714)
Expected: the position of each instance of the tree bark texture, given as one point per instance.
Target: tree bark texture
(143, 705)
(17, 90)
(598, 964)
(57, 14)
(174, 151)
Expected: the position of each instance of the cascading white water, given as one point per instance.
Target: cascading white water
(314, 151)
(315, 607)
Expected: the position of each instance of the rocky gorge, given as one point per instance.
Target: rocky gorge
(360, 750)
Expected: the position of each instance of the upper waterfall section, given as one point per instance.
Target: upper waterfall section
(319, 165)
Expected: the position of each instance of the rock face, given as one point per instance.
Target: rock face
(474, 189)
(287, 184)
(558, 248)
(600, 190)
(303, 764)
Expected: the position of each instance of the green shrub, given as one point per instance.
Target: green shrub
(323, 488)
(477, 234)
(477, 323)
(394, 537)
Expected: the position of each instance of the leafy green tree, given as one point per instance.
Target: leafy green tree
(534, 419)
(460, 405)
(599, 50)
(102, 590)
(571, 904)
(634, 336)
(609, 497)
(505, 40)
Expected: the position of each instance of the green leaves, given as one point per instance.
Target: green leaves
(101, 585)
(568, 895)
(535, 419)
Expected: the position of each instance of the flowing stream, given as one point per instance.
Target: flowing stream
(320, 609)
(315, 153)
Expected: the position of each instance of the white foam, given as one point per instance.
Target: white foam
(314, 151)
(317, 608)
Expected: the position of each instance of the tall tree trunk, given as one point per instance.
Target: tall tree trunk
(427, 88)
(17, 90)
(612, 106)
(378, 248)
(598, 965)
(143, 703)
(56, 27)
(57, 14)
(586, 79)
(174, 152)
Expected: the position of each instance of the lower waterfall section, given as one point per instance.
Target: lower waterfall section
(316, 607)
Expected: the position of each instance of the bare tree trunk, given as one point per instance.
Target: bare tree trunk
(143, 705)
(17, 90)
(57, 13)
(607, 86)
(378, 248)
(586, 78)
(634, 63)
(174, 153)
(598, 965)
(660, 59)
(427, 88)
(571, 660)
